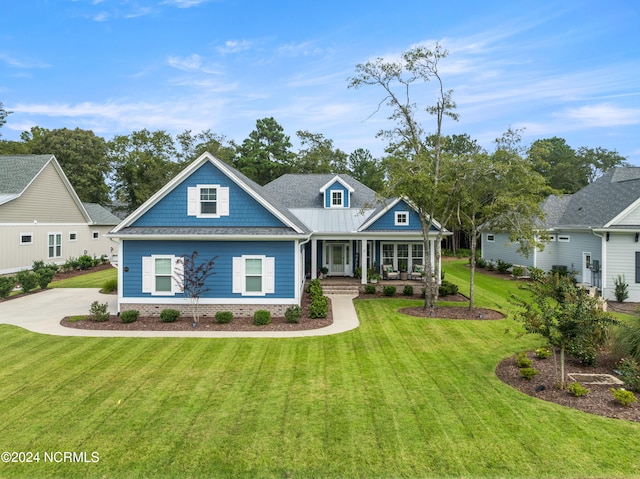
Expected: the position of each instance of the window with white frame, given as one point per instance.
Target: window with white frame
(55, 245)
(95, 235)
(402, 250)
(208, 201)
(253, 275)
(491, 238)
(402, 218)
(417, 254)
(26, 238)
(73, 236)
(564, 238)
(162, 275)
(388, 254)
(337, 198)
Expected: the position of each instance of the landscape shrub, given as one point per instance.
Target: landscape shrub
(536, 274)
(389, 290)
(481, 262)
(292, 314)
(626, 339)
(110, 285)
(261, 317)
(577, 389)
(624, 397)
(44, 277)
(528, 373)
(315, 288)
(370, 289)
(7, 283)
(70, 265)
(408, 290)
(129, 316)
(99, 311)
(447, 289)
(621, 290)
(542, 353)
(491, 265)
(503, 266)
(169, 315)
(522, 361)
(27, 279)
(630, 373)
(224, 317)
(85, 262)
(518, 271)
(38, 265)
(319, 307)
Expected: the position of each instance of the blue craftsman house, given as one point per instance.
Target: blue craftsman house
(266, 239)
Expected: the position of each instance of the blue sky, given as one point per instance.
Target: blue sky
(564, 68)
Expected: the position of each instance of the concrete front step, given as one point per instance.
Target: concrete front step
(340, 289)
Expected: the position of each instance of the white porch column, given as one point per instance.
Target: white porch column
(363, 261)
(314, 258)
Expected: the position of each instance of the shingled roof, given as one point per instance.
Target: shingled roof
(595, 205)
(17, 172)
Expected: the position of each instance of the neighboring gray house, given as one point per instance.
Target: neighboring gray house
(594, 232)
(42, 218)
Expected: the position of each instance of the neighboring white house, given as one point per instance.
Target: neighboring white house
(594, 232)
(42, 218)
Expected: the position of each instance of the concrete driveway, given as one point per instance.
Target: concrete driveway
(41, 313)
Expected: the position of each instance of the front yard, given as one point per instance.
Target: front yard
(398, 397)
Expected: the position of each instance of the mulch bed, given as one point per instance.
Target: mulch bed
(206, 323)
(599, 401)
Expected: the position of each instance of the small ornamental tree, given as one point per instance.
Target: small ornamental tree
(567, 317)
(193, 275)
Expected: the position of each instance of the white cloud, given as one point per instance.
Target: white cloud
(190, 63)
(603, 115)
(14, 62)
(234, 46)
(184, 3)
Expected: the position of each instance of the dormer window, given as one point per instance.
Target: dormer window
(337, 198)
(208, 201)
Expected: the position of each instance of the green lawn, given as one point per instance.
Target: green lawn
(397, 397)
(89, 280)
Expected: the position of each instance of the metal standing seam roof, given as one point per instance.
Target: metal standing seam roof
(342, 220)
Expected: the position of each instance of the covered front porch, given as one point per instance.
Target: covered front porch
(363, 256)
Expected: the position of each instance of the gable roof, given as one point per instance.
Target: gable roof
(597, 204)
(17, 172)
(264, 197)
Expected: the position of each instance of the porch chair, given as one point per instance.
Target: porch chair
(388, 272)
(417, 271)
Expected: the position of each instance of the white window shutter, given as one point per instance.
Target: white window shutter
(223, 201)
(238, 275)
(147, 274)
(178, 274)
(193, 203)
(269, 275)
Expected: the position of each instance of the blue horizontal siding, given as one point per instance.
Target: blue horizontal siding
(243, 209)
(220, 283)
(387, 221)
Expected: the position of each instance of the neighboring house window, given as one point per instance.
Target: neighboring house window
(161, 275)
(55, 245)
(336, 198)
(73, 236)
(208, 201)
(564, 238)
(26, 238)
(552, 238)
(402, 218)
(95, 235)
(491, 238)
(253, 275)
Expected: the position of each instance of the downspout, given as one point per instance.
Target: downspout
(301, 271)
(603, 262)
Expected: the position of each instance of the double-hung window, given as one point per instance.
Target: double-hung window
(253, 275)
(208, 201)
(162, 275)
(336, 198)
(55, 245)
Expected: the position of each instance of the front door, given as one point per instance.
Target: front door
(586, 267)
(338, 259)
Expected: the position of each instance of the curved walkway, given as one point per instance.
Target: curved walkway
(42, 312)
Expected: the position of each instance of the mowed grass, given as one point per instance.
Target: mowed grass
(397, 397)
(89, 280)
